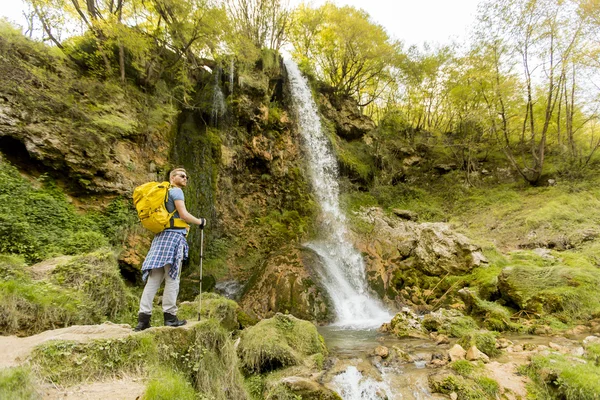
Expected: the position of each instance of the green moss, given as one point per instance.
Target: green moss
(169, 385)
(97, 275)
(203, 354)
(17, 384)
(278, 342)
(560, 378)
(569, 294)
(463, 367)
(484, 340)
(215, 307)
(449, 322)
(29, 307)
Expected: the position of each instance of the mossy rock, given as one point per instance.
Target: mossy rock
(405, 324)
(203, 353)
(97, 275)
(484, 340)
(449, 322)
(567, 293)
(557, 376)
(214, 306)
(466, 388)
(294, 387)
(279, 342)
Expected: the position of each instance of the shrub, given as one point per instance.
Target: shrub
(17, 384)
(169, 385)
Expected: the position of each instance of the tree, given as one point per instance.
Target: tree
(345, 49)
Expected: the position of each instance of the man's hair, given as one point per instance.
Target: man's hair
(176, 171)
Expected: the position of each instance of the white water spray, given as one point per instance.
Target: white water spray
(352, 385)
(344, 275)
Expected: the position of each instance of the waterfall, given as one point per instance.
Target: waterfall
(344, 274)
(218, 100)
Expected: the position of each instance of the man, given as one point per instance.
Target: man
(163, 262)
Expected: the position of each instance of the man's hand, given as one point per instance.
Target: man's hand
(202, 223)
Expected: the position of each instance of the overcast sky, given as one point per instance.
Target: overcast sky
(412, 21)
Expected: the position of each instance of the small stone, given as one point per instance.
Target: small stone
(503, 343)
(557, 347)
(591, 340)
(453, 396)
(578, 351)
(517, 348)
(457, 353)
(442, 339)
(382, 351)
(474, 354)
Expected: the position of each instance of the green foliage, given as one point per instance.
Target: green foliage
(40, 222)
(169, 385)
(465, 388)
(463, 367)
(17, 384)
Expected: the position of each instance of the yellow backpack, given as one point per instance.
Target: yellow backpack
(150, 201)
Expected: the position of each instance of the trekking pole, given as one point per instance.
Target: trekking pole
(201, 257)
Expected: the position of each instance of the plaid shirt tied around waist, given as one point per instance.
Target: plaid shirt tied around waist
(168, 247)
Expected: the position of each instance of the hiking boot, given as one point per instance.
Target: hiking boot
(171, 320)
(143, 322)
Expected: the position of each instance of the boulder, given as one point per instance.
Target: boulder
(307, 389)
(457, 352)
(285, 285)
(279, 342)
(397, 247)
(474, 354)
(405, 324)
(350, 124)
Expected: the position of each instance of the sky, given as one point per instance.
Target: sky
(412, 21)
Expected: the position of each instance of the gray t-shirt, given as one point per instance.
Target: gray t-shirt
(175, 194)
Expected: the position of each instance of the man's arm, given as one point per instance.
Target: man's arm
(186, 216)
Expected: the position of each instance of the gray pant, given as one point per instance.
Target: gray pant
(170, 293)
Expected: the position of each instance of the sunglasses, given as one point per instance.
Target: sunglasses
(183, 176)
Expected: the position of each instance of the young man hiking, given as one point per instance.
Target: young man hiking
(163, 262)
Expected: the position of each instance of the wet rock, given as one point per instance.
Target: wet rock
(474, 354)
(503, 343)
(457, 352)
(558, 347)
(397, 247)
(382, 351)
(285, 285)
(517, 348)
(405, 324)
(402, 355)
(439, 338)
(308, 389)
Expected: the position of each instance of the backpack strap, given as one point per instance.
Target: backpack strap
(177, 223)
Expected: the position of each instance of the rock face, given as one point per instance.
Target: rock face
(344, 112)
(405, 324)
(285, 285)
(95, 136)
(396, 248)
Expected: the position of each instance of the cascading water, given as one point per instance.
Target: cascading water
(344, 274)
(218, 100)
